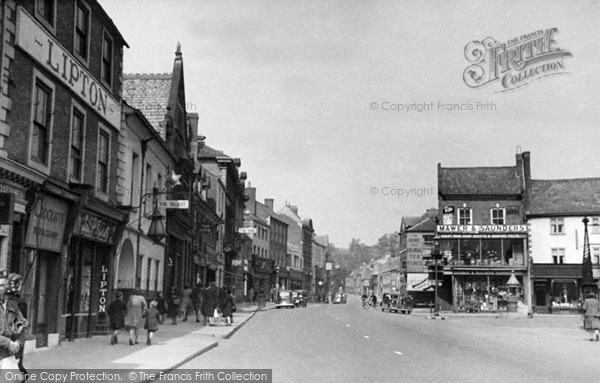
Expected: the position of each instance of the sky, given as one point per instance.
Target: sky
(315, 96)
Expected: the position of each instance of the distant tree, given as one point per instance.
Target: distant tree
(387, 244)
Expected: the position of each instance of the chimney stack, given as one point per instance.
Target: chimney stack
(269, 202)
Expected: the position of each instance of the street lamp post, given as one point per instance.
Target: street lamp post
(436, 255)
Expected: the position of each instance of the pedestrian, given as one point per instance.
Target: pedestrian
(152, 321)
(196, 298)
(254, 296)
(174, 301)
(117, 310)
(161, 306)
(209, 304)
(227, 308)
(12, 326)
(15, 282)
(591, 321)
(136, 307)
(185, 305)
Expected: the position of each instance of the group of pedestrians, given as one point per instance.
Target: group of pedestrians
(212, 303)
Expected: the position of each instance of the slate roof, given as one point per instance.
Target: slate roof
(408, 222)
(149, 93)
(426, 223)
(479, 181)
(208, 152)
(579, 196)
(322, 240)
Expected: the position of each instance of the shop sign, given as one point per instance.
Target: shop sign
(103, 289)
(448, 215)
(7, 208)
(19, 194)
(418, 282)
(481, 229)
(94, 227)
(47, 224)
(385, 281)
(44, 48)
(204, 228)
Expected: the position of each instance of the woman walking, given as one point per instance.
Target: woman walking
(152, 321)
(174, 301)
(136, 306)
(228, 308)
(185, 306)
(116, 310)
(591, 321)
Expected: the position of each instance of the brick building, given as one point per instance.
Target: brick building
(60, 116)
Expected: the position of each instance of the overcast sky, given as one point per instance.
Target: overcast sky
(297, 90)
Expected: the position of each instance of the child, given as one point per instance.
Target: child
(152, 321)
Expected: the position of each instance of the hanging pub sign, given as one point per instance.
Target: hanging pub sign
(94, 227)
(7, 208)
(47, 224)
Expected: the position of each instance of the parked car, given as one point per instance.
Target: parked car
(339, 298)
(390, 303)
(285, 299)
(399, 303)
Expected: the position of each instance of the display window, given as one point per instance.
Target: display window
(483, 293)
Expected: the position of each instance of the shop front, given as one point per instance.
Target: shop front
(89, 273)
(479, 260)
(557, 288)
(41, 263)
(296, 279)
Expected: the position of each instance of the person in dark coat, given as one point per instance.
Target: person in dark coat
(152, 321)
(591, 314)
(116, 311)
(161, 306)
(174, 301)
(209, 304)
(228, 308)
(196, 298)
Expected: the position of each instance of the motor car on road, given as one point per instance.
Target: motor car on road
(285, 299)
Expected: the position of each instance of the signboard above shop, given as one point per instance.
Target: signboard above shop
(481, 231)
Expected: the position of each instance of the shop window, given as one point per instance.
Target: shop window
(557, 226)
(465, 216)
(428, 240)
(86, 280)
(558, 255)
(498, 216)
(491, 252)
(470, 251)
(595, 225)
(564, 293)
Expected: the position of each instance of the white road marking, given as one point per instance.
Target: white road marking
(366, 337)
(347, 325)
(398, 352)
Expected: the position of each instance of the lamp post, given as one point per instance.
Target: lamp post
(436, 255)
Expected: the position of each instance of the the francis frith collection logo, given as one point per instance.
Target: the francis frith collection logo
(516, 62)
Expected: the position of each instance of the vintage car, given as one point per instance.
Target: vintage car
(339, 298)
(285, 299)
(398, 303)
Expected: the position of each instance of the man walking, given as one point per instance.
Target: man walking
(12, 324)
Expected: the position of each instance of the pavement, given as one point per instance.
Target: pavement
(172, 346)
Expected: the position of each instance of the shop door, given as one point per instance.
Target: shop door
(45, 299)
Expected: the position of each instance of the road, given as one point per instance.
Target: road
(346, 343)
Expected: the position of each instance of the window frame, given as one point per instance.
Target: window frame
(39, 78)
(85, 60)
(103, 131)
(77, 108)
(595, 225)
(558, 255)
(460, 209)
(108, 84)
(557, 221)
(49, 24)
(495, 209)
